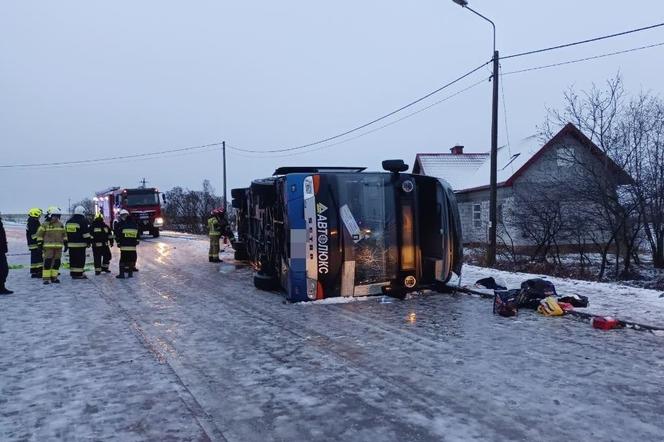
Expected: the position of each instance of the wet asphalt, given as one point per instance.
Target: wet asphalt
(189, 350)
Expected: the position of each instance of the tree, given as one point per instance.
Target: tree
(188, 210)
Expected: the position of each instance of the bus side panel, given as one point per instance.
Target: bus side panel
(296, 228)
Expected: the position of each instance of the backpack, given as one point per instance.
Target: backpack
(505, 303)
(533, 291)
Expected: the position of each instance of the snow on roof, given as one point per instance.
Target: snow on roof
(457, 170)
(472, 170)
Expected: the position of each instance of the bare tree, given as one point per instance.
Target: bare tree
(188, 210)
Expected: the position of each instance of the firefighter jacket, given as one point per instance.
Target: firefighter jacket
(219, 227)
(126, 234)
(78, 232)
(51, 234)
(102, 235)
(31, 232)
(3, 238)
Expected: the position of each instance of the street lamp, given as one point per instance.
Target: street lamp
(491, 252)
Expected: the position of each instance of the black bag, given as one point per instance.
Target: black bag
(490, 283)
(533, 291)
(504, 302)
(575, 300)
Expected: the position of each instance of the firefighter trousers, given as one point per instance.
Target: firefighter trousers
(214, 246)
(76, 261)
(127, 261)
(36, 260)
(51, 267)
(102, 257)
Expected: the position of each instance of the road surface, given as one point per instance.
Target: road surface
(189, 350)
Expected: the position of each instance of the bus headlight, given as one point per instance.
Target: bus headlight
(410, 281)
(158, 221)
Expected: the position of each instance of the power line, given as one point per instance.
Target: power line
(579, 60)
(123, 157)
(590, 40)
(472, 86)
(362, 126)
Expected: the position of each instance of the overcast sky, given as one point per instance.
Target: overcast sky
(82, 80)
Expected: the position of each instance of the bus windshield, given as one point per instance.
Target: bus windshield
(142, 199)
(368, 215)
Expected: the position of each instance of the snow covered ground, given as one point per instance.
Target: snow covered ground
(189, 350)
(627, 303)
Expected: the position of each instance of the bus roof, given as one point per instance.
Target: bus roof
(316, 169)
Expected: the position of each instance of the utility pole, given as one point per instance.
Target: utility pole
(223, 150)
(493, 193)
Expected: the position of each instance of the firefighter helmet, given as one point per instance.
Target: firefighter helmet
(123, 212)
(35, 212)
(79, 210)
(53, 210)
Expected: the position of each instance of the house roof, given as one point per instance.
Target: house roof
(471, 171)
(458, 170)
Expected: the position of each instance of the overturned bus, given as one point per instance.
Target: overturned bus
(321, 232)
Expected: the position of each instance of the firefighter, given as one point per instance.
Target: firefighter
(126, 238)
(78, 239)
(4, 266)
(51, 236)
(102, 237)
(218, 226)
(36, 258)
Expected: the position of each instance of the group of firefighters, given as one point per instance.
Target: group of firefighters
(48, 240)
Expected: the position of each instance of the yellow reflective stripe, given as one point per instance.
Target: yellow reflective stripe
(36, 266)
(99, 244)
(33, 247)
(52, 245)
(130, 233)
(76, 269)
(34, 236)
(97, 229)
(71, 227)
(76, 245)
(128, 248)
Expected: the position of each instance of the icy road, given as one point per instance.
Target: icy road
(188, 350)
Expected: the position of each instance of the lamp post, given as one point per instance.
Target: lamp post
(493, 205)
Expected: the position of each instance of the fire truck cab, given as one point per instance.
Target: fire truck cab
(143, 205)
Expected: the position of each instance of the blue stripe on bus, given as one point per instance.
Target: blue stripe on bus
(297, 274)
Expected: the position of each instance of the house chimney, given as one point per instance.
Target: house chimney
(457, 150)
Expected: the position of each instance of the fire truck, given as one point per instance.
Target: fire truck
(143, 205)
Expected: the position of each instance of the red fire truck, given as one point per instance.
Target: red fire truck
(143, 205)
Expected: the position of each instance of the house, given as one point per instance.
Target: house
(548, 171)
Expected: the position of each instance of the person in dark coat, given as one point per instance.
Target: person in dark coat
(36, 252)
(126, 238)
(102, 238)
(78, 239)
(4, 266)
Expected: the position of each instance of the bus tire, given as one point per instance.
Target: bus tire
(265, 282)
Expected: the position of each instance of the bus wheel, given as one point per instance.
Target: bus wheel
(265, 282)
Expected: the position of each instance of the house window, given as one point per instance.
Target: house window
(477, 216)
(565, 156)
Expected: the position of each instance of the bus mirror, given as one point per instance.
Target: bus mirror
(395, 166)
